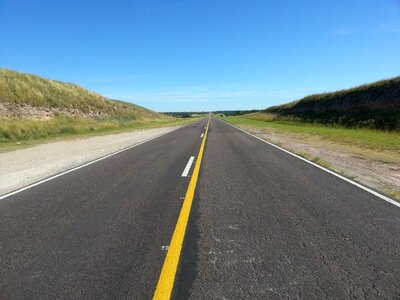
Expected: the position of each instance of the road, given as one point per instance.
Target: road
(263, 225)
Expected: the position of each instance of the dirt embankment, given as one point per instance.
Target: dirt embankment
(25, 111)
(375, 99)
(375, 105)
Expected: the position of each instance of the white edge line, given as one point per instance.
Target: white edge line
(202, 135)
(375, 193)
(85, 164)
(187, 168)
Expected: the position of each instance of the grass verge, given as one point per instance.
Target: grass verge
(367, 143)
(368, 156)
(18, 133)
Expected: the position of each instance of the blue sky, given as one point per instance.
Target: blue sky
(203, 54)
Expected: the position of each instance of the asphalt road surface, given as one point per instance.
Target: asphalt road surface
(264, 225)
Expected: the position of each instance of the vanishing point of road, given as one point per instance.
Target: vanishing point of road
(204, 212)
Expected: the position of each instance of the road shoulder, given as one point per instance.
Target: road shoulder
(379, 175)
(23, 167)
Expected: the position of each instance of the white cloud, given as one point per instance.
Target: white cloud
(342, 32)
(387, 27)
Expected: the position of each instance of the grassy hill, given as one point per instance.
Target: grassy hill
(375, 105)
(23, 89)
(32, 107)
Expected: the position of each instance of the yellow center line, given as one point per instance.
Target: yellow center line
(167, 277)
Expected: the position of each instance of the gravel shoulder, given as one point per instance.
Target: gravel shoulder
(22, 167)
(379, 175)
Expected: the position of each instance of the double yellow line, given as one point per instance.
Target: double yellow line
(167, 277)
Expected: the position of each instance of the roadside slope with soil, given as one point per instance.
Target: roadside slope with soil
(375, 105)
(34, 108)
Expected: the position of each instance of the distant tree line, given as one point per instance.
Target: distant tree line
(186, 114)
(189, 114)
(235, 112)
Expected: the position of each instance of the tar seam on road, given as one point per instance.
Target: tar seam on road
(187, 168)
(371, 191)
(83, 165)
(167, 277)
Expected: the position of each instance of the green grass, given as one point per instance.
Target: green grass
(395, 194)
(95, 113)
(372, 139)
(16, 133)
(24, 89)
